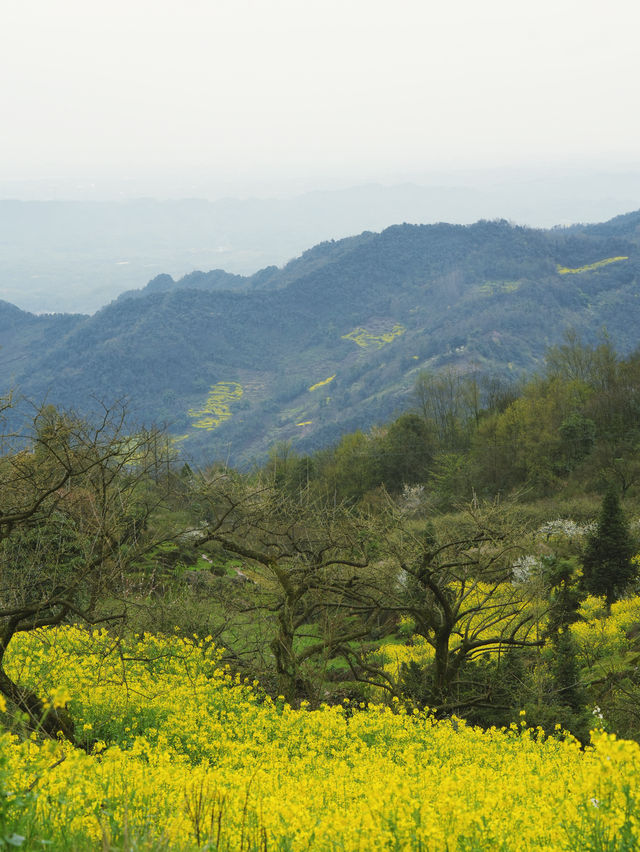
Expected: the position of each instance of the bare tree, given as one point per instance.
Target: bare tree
(455, 581)
(75, 499)
(306, 561)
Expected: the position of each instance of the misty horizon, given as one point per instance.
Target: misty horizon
(325, 119)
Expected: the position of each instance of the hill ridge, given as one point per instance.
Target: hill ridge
(486, 297)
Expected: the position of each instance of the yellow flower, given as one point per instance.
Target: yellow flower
(374, 778)
(60, 697)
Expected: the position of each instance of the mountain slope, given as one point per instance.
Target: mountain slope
(335, 339)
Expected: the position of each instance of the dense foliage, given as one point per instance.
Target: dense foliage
(573, 428)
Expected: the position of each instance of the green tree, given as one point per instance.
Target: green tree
(448, 401)
(405, 452)
(566, 675)
(578, 436)
(564, 595)
(351, 469)
(606, 561)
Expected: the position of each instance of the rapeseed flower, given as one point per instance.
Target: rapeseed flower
(189, 754)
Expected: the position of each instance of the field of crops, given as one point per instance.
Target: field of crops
(181, 754)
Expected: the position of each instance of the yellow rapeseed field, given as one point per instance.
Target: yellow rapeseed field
(184, 755)
(589, 267)
(217, 408)
(365, 339)
(322, 383)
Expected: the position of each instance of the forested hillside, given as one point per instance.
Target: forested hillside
(335, 340)
(571, 428)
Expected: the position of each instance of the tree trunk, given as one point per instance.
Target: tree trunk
(50, 720)
(442, 675)
(283, 651)
(286, 668)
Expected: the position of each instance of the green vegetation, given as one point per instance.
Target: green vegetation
(414, 532)
(471, 565)
(554, 445)
(606, 561)
(389, 592)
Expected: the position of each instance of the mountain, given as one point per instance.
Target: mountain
(77, 255)
(334, 340)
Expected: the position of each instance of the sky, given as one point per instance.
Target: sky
(251, 93)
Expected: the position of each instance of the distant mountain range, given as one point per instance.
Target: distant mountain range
(334, 340)
(78, 255)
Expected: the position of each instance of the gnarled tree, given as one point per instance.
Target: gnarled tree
(75, 499)
(308, 563)
(454, 580)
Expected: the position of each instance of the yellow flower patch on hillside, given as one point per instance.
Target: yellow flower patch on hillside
(367, 339)
(178, 439)
(217, 407)
(323, 382)
(566, 270)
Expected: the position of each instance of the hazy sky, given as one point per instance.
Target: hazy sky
(359, 89)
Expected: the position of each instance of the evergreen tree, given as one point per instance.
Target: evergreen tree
(565, 672)
(564, 595)
(606, 562)
(565, 699)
